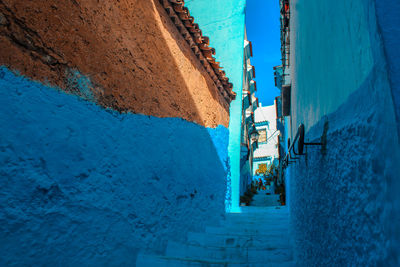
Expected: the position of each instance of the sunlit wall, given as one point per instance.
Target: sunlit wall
(344, 199)
(223, 21)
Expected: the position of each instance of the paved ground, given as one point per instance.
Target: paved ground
(263, 200)
(256, 237)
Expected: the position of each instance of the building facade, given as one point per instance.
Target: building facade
(266, 155)
(249, 104)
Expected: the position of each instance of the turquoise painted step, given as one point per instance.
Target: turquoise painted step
(246, 222)
(266, 198)
(148, 260)
(260, 242)
(261, 221)
(252, 218)
(262, 210)
(265, 264)
(258, 219)
(267, 211)
(187, 251)
(253, 225)
(259, 230)
(257, 237)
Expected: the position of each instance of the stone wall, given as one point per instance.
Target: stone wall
(388, 17)
(87, 186)
(132, 54)
(93, 168)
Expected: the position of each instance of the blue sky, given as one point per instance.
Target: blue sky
(262, 23)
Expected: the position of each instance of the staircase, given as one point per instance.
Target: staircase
(263, 200)
(257, 237)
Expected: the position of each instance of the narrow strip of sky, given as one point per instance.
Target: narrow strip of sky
(263, 30)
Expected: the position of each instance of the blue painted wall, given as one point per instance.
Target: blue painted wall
(245, 176)
(224, 21)
(85, 186)
(326, 78)
(345, 201)
(388, 16)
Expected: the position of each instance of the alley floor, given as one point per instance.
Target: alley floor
(262, 199)
(257, 237)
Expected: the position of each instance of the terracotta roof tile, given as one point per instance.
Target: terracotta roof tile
(199, 44)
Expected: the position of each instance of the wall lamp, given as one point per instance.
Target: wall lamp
(254, 135)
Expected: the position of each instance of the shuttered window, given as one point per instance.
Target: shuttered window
(262, 138)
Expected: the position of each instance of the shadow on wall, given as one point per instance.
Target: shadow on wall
(128, 54)
(89, 186)
(344, 202)
(132, 52)
(83, 185)
(388, 17)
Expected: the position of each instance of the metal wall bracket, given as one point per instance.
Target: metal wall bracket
(301, 143)
(299, 138)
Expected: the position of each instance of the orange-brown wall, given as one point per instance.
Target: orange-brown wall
(133, 54)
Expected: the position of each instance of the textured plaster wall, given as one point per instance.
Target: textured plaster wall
(388, 17)
(131, 51)
(331, 54)
(87, 186)
(224, 22)
(245, 176)
(345, 200)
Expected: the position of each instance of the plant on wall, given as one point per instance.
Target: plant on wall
(262, 169)
(272, 170)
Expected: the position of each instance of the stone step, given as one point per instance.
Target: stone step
(264, 196)
(262, 224)
(257, 216)
(258, 241)
(261, 210)
(264, 264)
(265, 202)
(148, 260)
(259, 230)
(268, 213)
(250, 255)
(252, 223)
(256, 237)
(257, 219)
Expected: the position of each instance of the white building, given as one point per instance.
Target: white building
(267, 150)
(249, 105)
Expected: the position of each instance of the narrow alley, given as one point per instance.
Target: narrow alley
(203, 133)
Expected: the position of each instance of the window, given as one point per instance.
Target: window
(262, 138)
